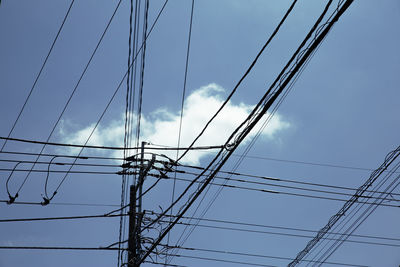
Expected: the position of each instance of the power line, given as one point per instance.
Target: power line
(287, 234)
(63, 218)
(57, 248)
(182, 104)
(37, 77)
(70, 97)
(349, 203)
(286, 193)
(253, 255)
(243, 77)
(257, 225)
(275, 179)
(61, 204)
(217, 260)
(61, 163)
(56, 171)
(255, 116)
(107, 147)
(58, 155)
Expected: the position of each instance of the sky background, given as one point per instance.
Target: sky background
(342, 111)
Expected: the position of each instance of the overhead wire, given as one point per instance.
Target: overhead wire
(227, 252)
(108, 104)
(349, 232)
(38, 75)
(61, 204)
(107, 147)
(236, 87)
(260, 109)
(364, 215)
(243, 77)
(389, 159)
(287, 193)
(124, 181)
(297, 75)
(269, 184)
(71, 95)
(182, 105)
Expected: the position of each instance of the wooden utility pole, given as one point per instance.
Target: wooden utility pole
(135, 217)
(132, 249)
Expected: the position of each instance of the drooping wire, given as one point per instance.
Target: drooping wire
(72, 94)
(111, 99)
(38, 76)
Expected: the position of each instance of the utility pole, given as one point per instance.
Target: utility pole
(132, 255)
(135, 216)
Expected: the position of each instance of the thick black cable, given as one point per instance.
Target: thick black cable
(275, 179)
(126, 131)
(266, 121)
(350, 215)
(257, 225)
(361, 218)
(390, 157)
(61, 204)
(107, 147)
(261, 108)
(63, 218)
(248, 156)
(252, 255)
(269, 184)
(57, 248)
(59, 155)
(62, 163)
(283, 234)
(37, 77)
(286, 193)
(142, 67)
(244, 76)
(56, 171)
(217, 260)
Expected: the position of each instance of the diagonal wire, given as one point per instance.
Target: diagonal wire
(38, 76)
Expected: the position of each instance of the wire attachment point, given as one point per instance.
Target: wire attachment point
(12, 199)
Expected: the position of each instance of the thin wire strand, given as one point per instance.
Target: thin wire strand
(38, 76)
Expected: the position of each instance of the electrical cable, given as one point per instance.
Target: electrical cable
(182, 106)
(366, 213)
(253, 255)
(107, 106)
(37, 77)
(71, 95)
(61, 204)
(287, 193)
(257, 225)
(283, 76)
(274, 179)
(244, 76)
(268, 184)
(63, 218)
(108, 147)
(260, 109)
(390, 157)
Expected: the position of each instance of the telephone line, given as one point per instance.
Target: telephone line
(38, 76)
(107, 147)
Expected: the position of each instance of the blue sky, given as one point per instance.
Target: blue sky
(343, 111)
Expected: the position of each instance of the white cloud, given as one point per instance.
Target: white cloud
(161, 127)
